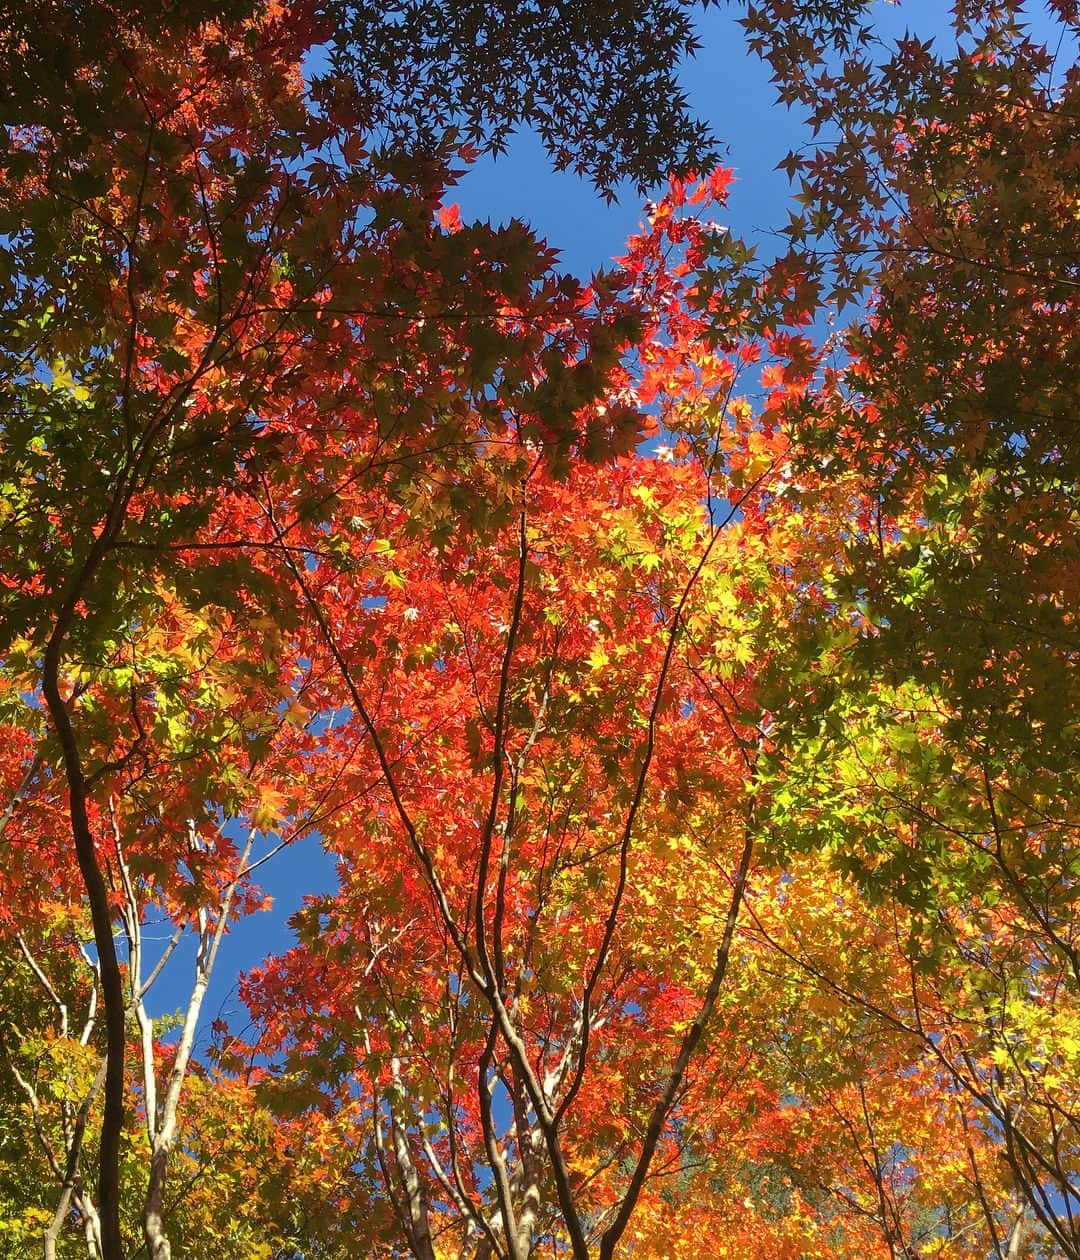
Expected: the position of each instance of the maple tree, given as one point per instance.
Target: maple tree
(545, 737)
(209, 253)
(936, 751)
(703, 812)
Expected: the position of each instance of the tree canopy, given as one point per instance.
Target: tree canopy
(682, 680)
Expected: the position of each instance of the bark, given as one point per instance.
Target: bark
(163, 1126)
(415, 1202)
(1018, 1238)
(72, 1186)
(108, 966)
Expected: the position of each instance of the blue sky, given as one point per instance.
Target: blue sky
(725, 86)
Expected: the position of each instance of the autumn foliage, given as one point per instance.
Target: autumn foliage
(687, 701)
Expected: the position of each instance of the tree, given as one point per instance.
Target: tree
(177, 268)
(52, 1074)
(934, 749)
(497, 876)
(598, 84)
